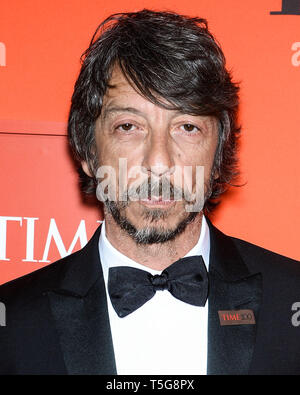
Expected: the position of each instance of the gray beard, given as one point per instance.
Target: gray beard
(150, 234)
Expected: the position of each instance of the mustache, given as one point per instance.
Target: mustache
(158, 188)
(162, 189)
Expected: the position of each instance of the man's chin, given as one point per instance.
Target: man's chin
(147, 224)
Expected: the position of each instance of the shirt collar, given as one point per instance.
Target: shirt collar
(110, 256)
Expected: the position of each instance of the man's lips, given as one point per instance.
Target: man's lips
(157, 201)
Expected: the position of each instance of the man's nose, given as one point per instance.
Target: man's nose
(158, 158)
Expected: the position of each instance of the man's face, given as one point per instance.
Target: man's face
(156, 141)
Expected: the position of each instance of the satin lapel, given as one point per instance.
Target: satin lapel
(80, 312)
(232, 287)
(84, 331)
(230, 348)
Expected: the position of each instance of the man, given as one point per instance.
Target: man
(158, 289)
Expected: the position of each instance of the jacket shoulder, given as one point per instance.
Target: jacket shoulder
(38, 281)
(271, 263)
(73, 273)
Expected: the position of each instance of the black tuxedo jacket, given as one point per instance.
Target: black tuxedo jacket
(57, 319)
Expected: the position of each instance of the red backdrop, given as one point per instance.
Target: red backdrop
(42, 214)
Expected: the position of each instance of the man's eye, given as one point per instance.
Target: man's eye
(126, 127)
(188, 127)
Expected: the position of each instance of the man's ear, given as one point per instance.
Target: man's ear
(86, 169)
(216, 174)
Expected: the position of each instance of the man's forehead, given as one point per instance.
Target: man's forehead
(121, 90)
(121, 95)
(118, 81)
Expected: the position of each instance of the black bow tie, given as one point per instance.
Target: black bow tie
(186, 279)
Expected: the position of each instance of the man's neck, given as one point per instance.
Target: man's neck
(154, 256)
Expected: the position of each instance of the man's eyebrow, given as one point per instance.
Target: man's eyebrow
(115, 109)
(110, 110)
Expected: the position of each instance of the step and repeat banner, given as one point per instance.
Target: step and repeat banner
(43, 215)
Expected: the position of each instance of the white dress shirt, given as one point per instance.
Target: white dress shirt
(165, 336)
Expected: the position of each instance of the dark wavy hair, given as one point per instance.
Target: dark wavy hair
(164, 55)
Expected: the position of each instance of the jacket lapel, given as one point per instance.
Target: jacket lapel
(80, 312)
(232, 288)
